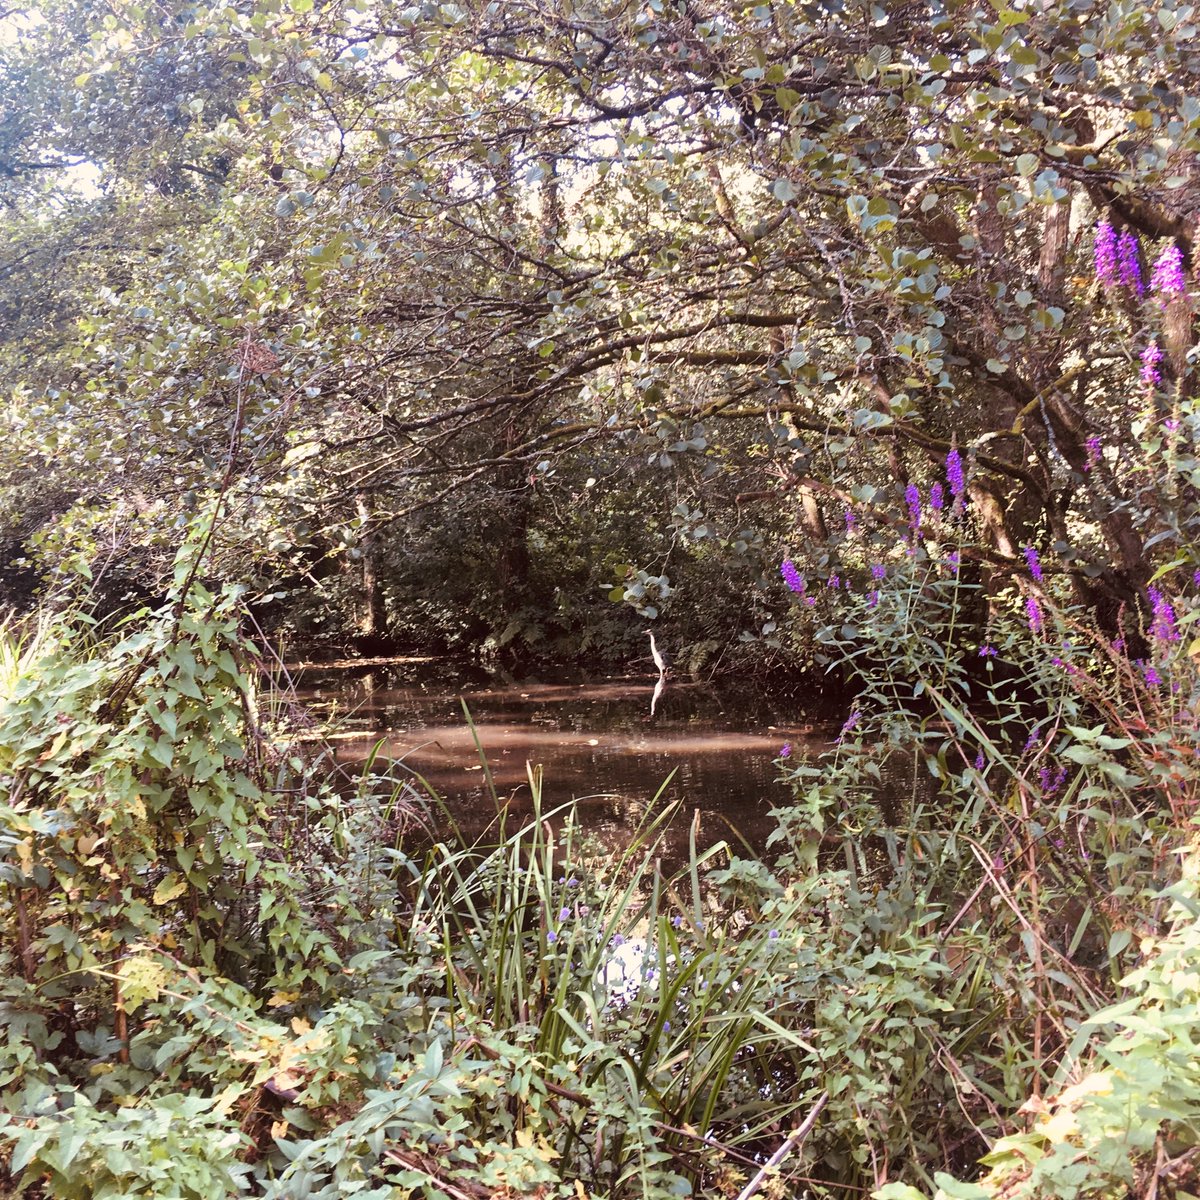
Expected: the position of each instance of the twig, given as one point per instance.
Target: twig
(794, 1139)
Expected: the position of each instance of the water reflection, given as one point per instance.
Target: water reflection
(595, 738)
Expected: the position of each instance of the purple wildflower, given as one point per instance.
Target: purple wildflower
(979, 761)
(1034, 611)
(1035, 566)
(1129, 265)
(1152, 355)
(1104, 253)
(676, 922)
(834, 581)
(1162, 624)
(912, 497)
(1152, 677)
(785, 751)
(1196, 577)
(791, 576)
(987, 651)
(563, 913)
(873, 599)
(1167, 278)
(878, 571)
(1034, 739)
(617, 941)
(1094, 448)
(953, 560)
(954, 476)
(773, 935)
(851, 520)
(851, 722)
(937, 498)
(552, 937)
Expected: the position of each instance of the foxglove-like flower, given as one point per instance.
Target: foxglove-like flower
(954, 476)
(1129, 266)
(912, 497)
(1104, 251)
(1167, 278)
(1033, 610)
(937, 498)
(1152, 355)
(1035, 566)
(1162, 617)
(791, 576)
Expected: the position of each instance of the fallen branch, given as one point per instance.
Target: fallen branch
(794, 1139)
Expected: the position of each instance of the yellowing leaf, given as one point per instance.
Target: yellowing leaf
(170, 888)
(279, 999)
(142, 979)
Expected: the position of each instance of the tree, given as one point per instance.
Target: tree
(802, 252)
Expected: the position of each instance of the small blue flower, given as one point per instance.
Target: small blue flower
(677, 921)
(563, 913)
(773, 935)
(552, 937)
(617, 941)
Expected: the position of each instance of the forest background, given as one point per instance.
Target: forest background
(844, 340)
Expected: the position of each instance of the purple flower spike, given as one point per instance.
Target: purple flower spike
(1152, 677)
(791, 576)
(1162, 617)
(851, 520)
(1196, 577)
(912, 497)
(785, 751)
(1167, 279)
(878, 571)
(1129, 265)
(1035, 566)
(937, 498)
(1104, 251)
(987, 651)
(1151, 357)
(954, 476)
(1033, 610)
(1094, 449)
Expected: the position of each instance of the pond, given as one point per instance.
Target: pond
(711, 748)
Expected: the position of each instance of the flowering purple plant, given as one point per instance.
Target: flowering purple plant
(1033, 610)
(878, 571)
(987, 651)
(851, 520)
(1167, 278)
(1104, 252)
(912, 497)
(1035, 566)
(1152, 355)
(954, 476)
(937, 498)
(791, 576)
(785, 751)
(1129, 265)
(1162, 617)
(1094, 448)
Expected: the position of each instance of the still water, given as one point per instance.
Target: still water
(714, 748)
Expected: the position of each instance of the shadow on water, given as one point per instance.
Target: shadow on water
(594, 738)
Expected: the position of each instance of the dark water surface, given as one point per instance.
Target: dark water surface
(595, 740)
